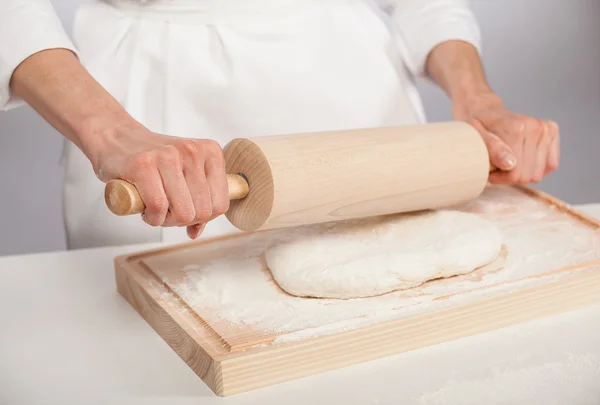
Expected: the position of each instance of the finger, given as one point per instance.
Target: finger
(504, 177)
(499, 177)
(543, 150)
(502, 156)
(193, 231)
(533, 138)
(149, 184)
(554, 151)
(150, 187)
(514, 131)
(181, 206)
(217, 181)
(199, 189)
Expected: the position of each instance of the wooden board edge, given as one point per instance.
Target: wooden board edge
(561, 205)
(289, 361)
(223, 371)
(187, 348)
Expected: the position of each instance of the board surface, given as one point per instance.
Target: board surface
(215, 303)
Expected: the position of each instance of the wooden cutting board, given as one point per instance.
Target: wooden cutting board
(215, 303)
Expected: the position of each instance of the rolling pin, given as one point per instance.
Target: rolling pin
(290, 180)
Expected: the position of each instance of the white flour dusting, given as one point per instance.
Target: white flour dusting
(229, 284)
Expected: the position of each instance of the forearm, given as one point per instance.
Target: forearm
(457, 68)
(57, 86)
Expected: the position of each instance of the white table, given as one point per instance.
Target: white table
(67, 337)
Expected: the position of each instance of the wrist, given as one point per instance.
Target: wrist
(96, 133)
(467, 104)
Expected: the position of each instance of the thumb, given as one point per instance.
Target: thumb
(501, 155)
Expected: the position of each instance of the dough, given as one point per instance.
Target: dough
(366, 257)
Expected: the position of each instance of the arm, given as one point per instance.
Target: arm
(56, 86)
(440, 40)
(181, 181)
(456, 67)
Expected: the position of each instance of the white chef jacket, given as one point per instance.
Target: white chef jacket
(30, 26)
(231, 68)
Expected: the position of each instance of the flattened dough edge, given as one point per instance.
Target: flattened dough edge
(374, 256)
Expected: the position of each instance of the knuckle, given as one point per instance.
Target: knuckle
(191, 147)
(542, 132)
(532, 126)
(527, 127)
(204, 214)
(213, 149)
(221, 206)
(152, 220)
(143, 161)
(170, 156)
(157, 205)
(535, 123)
(519, 126)
(213, 145)
(185, 215)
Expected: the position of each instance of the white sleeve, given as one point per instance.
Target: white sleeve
(424, 24)
(26, 27)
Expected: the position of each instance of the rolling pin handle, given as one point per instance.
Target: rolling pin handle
(238, 186)
(122, 198)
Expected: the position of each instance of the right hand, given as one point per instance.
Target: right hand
(181, 181)
(523, 148)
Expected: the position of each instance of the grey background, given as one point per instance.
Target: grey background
(541, 56)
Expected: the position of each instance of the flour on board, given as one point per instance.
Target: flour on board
(237, 289)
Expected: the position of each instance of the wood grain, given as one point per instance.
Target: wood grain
(232, 361)
(330, 176)
(289, 180)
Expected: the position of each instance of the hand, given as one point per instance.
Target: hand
(181, 181)
(524, 149)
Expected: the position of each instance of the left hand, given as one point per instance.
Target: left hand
(523, 148)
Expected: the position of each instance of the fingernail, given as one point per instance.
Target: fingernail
(509, 161)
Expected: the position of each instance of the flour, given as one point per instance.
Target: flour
(374, 256)
(228, 283)
(251, 298)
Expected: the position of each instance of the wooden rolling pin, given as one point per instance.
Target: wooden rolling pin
(291, 180)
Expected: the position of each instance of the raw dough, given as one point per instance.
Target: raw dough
(374, 256)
